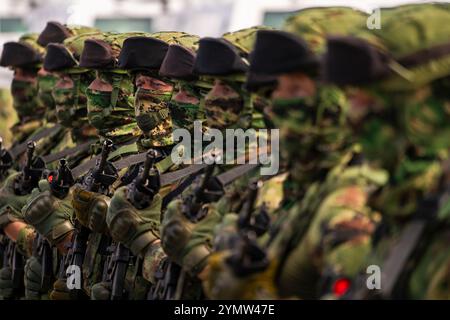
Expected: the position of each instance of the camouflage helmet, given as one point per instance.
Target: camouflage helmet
(414, 36)
(316, 24)
(25, 57)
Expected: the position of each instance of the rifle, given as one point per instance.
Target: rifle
(140, 194)
(98, 179)
(259, 222)
(167, 277)
(6, 160)
(23, 185)
(3, 247)
(250, 257)
(142, 190)
(103, 175)
(210, 190)
(43, 251)
(62, 180)
(16, 261)
(119, 266)
(31, 172)
(207, 192)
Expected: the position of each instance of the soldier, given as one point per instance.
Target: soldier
(71, 112)
(26, 57)
(324, 217)
(405, 84)
(226, 105)
(144, 56)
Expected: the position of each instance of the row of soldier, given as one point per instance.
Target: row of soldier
(363, 115)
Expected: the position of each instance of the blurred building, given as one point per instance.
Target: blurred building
(202, 17)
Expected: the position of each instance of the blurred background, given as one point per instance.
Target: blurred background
(201, 17)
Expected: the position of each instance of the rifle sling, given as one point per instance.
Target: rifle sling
(400, 254)
(411, 238)
(21, 148)
(175, 193)
(66, 152)
(81, 169)
(235, 173)
(223, 179)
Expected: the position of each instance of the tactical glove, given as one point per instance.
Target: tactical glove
(49, 215)
(223, 279)
(6, 283)
(33, 273)
(135, 228)
(10, 203)
(90, 208)
(60, 290)
(185, 242)
(101, 291)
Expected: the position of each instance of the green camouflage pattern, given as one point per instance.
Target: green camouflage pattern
(153, 116)
(315, 24)
(46, 83)
(135, 228)
(49, 215)
(308, 126)
(25, 99)
(184, 114)
(234, 111)
(10, 203)
(340, 227)
(111, 112)
(70, 99)
(411, 29)
(244, 39)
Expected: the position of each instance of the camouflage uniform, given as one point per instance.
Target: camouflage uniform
(411, 93)
(324, 217)
(153, 118)
(188, 241)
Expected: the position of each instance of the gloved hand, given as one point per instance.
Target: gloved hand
(33, 272)
(101, 291)
(223, 279)
(60, 290)
(136, 229)
(6, 283)
(185, 242)
(226, 233)
(10, 203)
(90, 208)
(49, 215)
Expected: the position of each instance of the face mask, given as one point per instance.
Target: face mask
(223, 112)
(25, 101)
(45, 98)
(110, 109)
(308, 130)
(71, 110)
(183, 114)
(152, 110)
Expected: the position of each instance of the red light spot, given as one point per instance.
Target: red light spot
(341, 286)
(50, 178)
